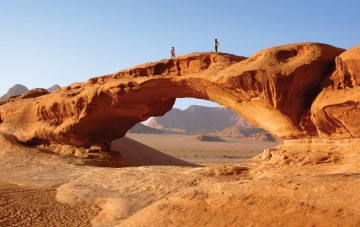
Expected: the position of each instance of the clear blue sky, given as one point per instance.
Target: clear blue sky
(46, 42)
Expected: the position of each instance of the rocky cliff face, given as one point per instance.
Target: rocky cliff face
(336, 110)
(276, 89)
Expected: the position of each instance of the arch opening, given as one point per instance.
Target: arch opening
(203, 133)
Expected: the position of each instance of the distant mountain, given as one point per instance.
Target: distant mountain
(241, 130)
(207, 120)
(19, 89)
(196, 120)
(15, 90)
(140, 128)
(53, 88)
(264, 136)
(208, 138)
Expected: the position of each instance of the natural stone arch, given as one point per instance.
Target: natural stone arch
(273, 89)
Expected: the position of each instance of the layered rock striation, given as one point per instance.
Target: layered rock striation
(293, 91)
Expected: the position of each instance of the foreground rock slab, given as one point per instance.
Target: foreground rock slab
(271, 190)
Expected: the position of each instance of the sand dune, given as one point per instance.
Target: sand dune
(138, 154)
(233, 151)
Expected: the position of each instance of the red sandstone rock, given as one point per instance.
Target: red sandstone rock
(273, 89)
(336, 110)
(104, 108)
(276, 86)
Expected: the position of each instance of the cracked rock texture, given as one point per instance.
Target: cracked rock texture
(276, 89)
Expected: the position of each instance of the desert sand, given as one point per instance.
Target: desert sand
(231, 151)
(27, 206)
(301, 186)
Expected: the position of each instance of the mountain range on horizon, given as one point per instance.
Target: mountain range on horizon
(19, 89)
(194, 120)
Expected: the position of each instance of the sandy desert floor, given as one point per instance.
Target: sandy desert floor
(185, 147)
(26, 206)
(294, 184)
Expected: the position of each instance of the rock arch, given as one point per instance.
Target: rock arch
(274, 89)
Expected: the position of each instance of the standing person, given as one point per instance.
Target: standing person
(172, 51)
(216, 45)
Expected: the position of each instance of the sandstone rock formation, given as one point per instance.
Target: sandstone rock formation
(104, 108)
(273, 89)
(336, 110)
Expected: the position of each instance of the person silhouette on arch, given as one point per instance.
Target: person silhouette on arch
(172, 51)
(216, 45)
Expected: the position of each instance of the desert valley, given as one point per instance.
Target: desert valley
(282, 151)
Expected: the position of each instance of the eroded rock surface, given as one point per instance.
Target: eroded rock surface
(273, 89)
(336, 110)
